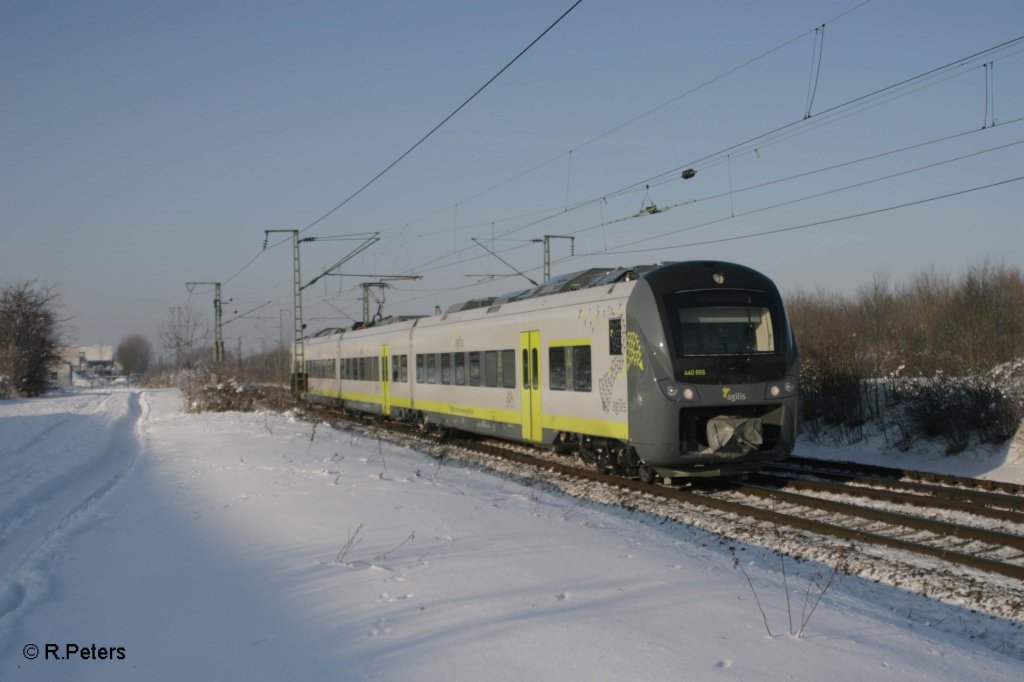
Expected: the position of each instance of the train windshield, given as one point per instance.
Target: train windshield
(721, 323)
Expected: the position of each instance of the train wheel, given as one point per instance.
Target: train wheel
(607, 463)
(646, 473)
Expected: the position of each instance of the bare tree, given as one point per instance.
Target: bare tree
(185, 335)
(134, 354)
(29, 337)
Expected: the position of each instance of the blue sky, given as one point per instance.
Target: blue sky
(146, 144)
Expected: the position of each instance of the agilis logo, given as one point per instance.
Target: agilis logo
(728, 394)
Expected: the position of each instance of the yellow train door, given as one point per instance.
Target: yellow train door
(385, 381)
(529, 353)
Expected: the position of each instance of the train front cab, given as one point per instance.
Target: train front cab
(712, 370)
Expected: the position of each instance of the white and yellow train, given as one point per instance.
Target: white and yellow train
(684, 369)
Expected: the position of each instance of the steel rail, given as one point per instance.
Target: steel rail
(979, 498)
(802, 523)
(951, 502)
(891, 472)
(943, 528)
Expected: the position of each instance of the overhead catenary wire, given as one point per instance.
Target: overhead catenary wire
(804, 174)
(762, 233)
(816, 195)
(645, 114)
(790, 201)
(817, 118)
(817, 223)
(418, 143)
(447, 118)
(577, 147)
(812, 82)
(752, 235)
(852, 103)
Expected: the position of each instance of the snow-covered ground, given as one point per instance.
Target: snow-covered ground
(258, 547)
(1002, 462)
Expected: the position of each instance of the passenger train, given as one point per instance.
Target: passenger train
(656, 372)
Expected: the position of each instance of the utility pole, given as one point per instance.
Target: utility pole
(547, 250)
(299, 357)
(218, 338)
(176, 334)
(279, 356)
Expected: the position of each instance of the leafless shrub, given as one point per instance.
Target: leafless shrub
(231, 396)
(952, 409)
(184, 335)
(134, 354)
(813, 595)
(840, 566)
(30, 338)
(382, 557)
(737, 564)
(858, 352)
(353, 540)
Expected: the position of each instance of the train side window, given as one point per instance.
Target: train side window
(535, 374)
(421, 374)
(508, 368)
(556, 368)
(403, 369)
(491, 368)
(446, 368)
(615, 337)
(375, 369)
(431, 368)
(474, 368)
(581, 375)
(395, 363)
(460, 369)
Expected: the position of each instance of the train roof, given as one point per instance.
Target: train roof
(663, 274)
(573, 281)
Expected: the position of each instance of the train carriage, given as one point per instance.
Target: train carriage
(685, 369)
(321, 370)
(509, 385)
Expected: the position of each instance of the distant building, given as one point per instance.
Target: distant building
(85, 366)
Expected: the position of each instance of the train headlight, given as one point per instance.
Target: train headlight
(782, 389)
(678, 392)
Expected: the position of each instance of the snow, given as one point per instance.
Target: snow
(1003, 462)
(213, 546)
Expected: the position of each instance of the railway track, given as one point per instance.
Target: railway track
(847, 510)
(989, 550)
